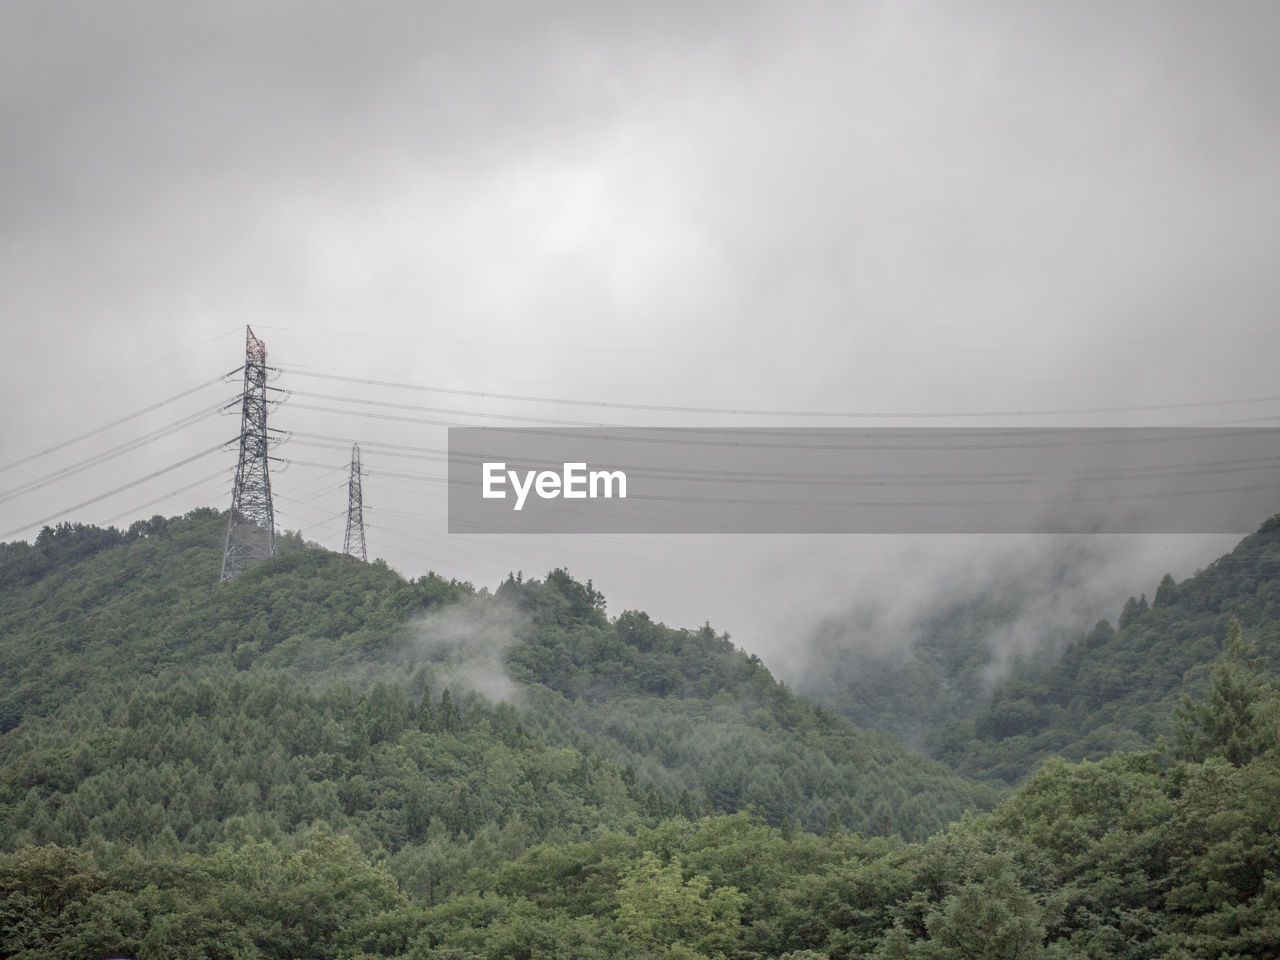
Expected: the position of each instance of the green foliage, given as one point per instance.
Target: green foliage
(256, 899)
(991, 919)
(1234, 722)
(1123, 689)
(297, 764)
(659, 909)
(723, 730)
(694, 719)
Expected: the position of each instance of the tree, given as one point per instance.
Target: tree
(659, 910)
(447, 717)
(1233, 722)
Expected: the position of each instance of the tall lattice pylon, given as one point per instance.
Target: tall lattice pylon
(353, 542)
(251, 531)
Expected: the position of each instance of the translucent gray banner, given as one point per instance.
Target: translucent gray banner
(1051, 480)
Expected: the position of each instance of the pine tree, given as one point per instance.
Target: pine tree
(1232, 723)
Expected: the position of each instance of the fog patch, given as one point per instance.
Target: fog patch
(1009, 598)
(466, 643)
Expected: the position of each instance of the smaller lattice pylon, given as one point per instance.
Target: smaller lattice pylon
(353, 542)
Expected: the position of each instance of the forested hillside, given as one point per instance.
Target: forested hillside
(1079, 693)
(322, 759)
(1117, 686)
(111, 633)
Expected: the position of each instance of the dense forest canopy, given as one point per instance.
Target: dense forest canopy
(320, 758)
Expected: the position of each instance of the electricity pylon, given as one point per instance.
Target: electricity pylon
(251, 536)
(354, 540)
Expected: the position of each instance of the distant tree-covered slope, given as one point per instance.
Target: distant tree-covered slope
(1117, 687)
(143, 699)
(935, 669)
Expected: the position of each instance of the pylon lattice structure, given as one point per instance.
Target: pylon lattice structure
(251, 536)
(353, 542)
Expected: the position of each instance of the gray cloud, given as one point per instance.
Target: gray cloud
(876, 206)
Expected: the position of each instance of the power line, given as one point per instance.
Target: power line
(115, 423)
(133, 511)
(848, 414)
(100, 458)
(820, 438)
(693, 474)
(668, 435)
(897, 384)
(428, 453)
(303, 503)
(666, 351)
(445, 410)
(111, 493)
(120, 376)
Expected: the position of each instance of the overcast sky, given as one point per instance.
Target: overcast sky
(1035, 214)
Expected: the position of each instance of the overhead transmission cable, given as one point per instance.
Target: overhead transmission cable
(100, 458)
(1109, 345)
(115, 423)
(364, 401)
(1195, 468)
(847, 414)
(668, 439)
(117, 376)
(757, 387)
(134, 511)
(111, 493)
